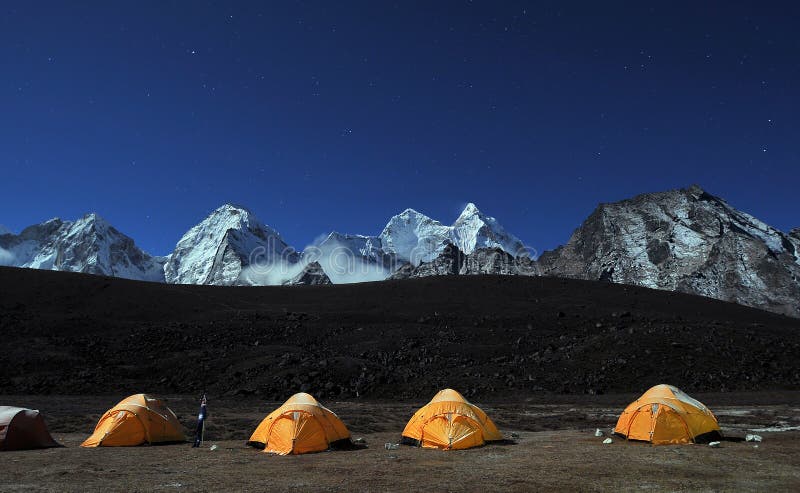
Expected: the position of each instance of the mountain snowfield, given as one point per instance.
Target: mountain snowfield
(684, 240)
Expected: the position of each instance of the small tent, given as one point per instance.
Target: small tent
(23, 429)
(136, 420)
(300, 426)
(449, 422)
(665, 414)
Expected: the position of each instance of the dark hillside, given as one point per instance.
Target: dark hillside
(485, 335)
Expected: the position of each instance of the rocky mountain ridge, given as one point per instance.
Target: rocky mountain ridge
(680, 240)
(684, 240)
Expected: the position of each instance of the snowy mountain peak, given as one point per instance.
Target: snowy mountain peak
(414, 237)
(92, 220)
(473, 229)
(231, 216)
(89, 245)
(469, 210)
(220, 249)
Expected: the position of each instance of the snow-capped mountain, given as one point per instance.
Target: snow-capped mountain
(408, 238)
(366, 247)
(684, 240)
(414, 237)
(473, 229)
(350, 258)
(230, 246)
(89, 245)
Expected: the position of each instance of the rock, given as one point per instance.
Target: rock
(311, 275)
(598, 432)
(714, 444)
(360, 441)
(752, 438)
(607, 441)
(213, 447)
(391, 446)
(452, 261)
(688, 241)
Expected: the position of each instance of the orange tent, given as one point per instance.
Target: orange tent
(22, 429)
(136, 420)
(300, 426)
(665, 414)
(449, 422)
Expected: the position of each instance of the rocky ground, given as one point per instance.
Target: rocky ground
(549, 359)
(487, 336)
(553, 449)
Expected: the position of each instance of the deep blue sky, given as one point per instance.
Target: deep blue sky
(321, 116)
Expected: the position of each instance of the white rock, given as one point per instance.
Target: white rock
(753, 438)
(607, 441)
(213, 447)
(598, 432)
(714, 444)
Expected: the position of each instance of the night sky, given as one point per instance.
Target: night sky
(319, 116)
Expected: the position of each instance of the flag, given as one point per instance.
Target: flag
(201, 418)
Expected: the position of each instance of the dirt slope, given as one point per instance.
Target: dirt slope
(484, 335)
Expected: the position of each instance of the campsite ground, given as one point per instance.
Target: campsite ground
(549, 359)
(555, 449)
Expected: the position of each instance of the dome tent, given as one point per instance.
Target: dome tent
(449, 422)
(23, 429)
(300, 426)
(137, 419)
(664, 415)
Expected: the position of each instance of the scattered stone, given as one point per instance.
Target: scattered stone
(598, 432)
(514, 435)
(213, 447)
(391, 446)
(360, 441)
(752, 438)
(607, 441)
(714, 444)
